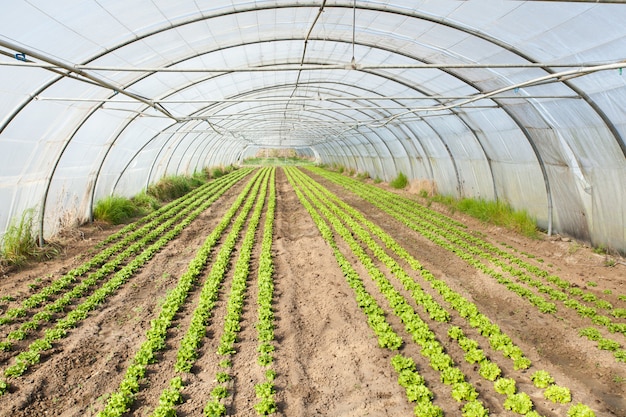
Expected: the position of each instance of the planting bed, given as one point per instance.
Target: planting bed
(306, 293)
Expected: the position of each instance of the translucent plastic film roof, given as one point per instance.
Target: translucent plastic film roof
(515, 100)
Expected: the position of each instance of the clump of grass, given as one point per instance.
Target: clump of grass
(445, 200)
(600, 250)
(175, 186)
(495, 212)
(199, 177)
(217, 172)
(401, 181)
(118, 210)
(145, 203)
(115, 209)
(18, 244)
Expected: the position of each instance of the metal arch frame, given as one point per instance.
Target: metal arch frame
(173, 150)
(196, 83)
(132, 119)
(330, 100)
(185, 152)
(274, 87)
(515, 51)
(583, 95)
(361, 7)
(347, 141)
(141, 148)
(413, 88)
(421, 16)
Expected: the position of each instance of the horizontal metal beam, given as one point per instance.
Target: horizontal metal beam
(304, 98)
(296, 67)
(56, 64)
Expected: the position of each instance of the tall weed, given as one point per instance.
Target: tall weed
(19, 244)
(115, 210)
(172, 187)
(401, 181)
(498, 212)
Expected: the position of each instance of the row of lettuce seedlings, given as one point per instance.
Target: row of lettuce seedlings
(55, 315)
(132, 236)
(337, 212)
(542, 290)
(187, 354)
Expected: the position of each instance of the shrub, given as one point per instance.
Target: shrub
(114, 209)
(401, 181)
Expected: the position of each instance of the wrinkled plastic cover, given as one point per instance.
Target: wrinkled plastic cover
(553, 147)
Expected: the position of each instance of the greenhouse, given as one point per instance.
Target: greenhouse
(385, 117)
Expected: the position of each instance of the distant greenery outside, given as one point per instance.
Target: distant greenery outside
(277, 161)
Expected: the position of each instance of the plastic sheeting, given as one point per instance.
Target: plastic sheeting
(520, 101)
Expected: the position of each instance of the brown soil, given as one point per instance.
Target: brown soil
(327, 359)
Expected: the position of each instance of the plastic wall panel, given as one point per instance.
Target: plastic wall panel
(16, 200)
(184, 157)
(135, 178)
(470, 160)
(228, 153)
(15, 83)
(163, 167)
(71, 187)
(382, 151)
(126, 145)
(516, 171)
(596, 164)
(439, 161)
(29, 149)
(420, 158)
(217, 147)
(611, 103)
(418, 162)
(413, 167)
(69, 199)
(180, 161)
(608, 226)
(570, 201)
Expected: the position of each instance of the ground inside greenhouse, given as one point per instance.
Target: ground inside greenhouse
(327, 359)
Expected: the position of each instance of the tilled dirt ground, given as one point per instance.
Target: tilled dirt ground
(327, 359)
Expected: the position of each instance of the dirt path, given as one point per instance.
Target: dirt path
(327, 359)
